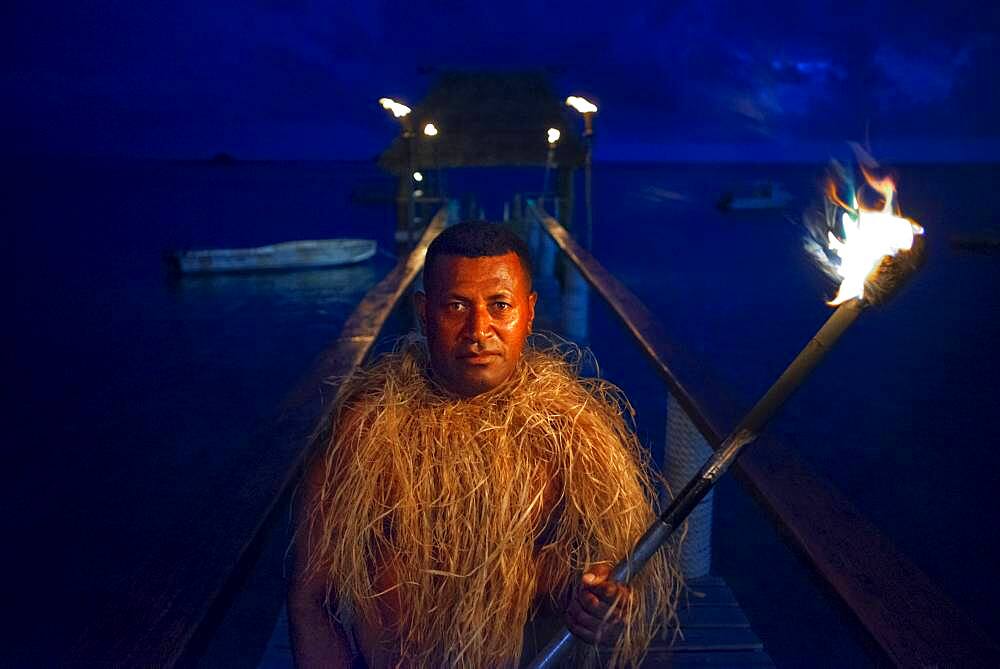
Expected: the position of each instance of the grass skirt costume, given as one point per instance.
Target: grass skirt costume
(467, 508)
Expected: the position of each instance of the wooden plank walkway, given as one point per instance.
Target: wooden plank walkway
(714, 632)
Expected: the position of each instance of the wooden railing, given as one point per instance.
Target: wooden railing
(165, 604)
(910, 619)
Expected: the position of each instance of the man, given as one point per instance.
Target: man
(466, 486)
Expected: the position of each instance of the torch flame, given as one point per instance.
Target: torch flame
(430, 130)
(869, 236)
(398, 110)
(553, 135)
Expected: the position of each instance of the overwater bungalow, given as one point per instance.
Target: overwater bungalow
(481, 120)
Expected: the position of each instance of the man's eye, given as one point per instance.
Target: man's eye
(455, 306)
(501, 306)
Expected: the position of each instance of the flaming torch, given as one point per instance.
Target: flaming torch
(869, 245)
(873, 251)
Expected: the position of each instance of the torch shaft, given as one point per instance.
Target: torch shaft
(691, 494)
(801, 367)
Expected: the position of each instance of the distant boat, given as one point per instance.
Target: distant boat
(223, 159)
(983, 242)
(286, 255)
(761, 196)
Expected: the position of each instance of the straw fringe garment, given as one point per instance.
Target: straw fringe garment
(445, 497)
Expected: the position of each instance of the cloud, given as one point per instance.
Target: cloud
(690, 70)
(916, 78)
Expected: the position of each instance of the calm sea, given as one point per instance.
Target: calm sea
(130, 386)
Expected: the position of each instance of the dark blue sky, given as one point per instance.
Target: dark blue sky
(678, 80)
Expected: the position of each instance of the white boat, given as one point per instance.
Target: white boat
(286, 255)
(762, 195)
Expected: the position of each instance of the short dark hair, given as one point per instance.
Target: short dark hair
(477, 239)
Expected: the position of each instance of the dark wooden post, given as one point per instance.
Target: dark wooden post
(404, 214)
(564, 192)
(575, 292)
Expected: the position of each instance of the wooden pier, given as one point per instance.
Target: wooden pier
(168, 608)
(713, 632)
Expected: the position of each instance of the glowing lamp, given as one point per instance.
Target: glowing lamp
(398, 109)
(582, 105)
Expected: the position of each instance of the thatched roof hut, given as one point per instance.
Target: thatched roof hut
(487, 119)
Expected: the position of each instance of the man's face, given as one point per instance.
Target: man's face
(476, 316)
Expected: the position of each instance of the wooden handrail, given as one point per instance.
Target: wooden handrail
(156, 611)
(910, 618)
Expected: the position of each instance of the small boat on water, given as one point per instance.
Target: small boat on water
(985, 242)
(762, 195)
(286, 255)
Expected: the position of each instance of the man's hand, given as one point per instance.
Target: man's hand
(594, 616)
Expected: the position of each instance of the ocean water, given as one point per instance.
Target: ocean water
(131, 387)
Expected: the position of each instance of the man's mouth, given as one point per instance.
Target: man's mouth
(478, 357)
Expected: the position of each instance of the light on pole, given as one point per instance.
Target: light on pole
(430, 130)
(552, 136)
(587, 109)
(402, 113)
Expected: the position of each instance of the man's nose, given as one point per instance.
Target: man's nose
(478, 326)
